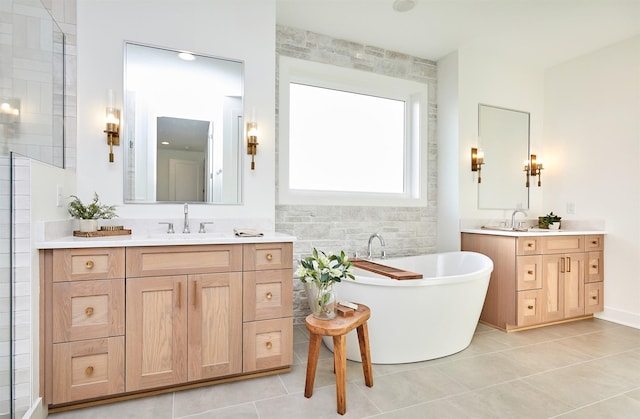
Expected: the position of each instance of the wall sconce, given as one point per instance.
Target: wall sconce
(533, 167)
(252, 141)
(112, 119)
(9, 110)
(477, 160)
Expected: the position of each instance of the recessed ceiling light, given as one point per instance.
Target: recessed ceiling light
(187, 56)
(403, 5)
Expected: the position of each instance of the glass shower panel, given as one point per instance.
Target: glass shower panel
(6, 304)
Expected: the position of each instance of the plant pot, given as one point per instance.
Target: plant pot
(87, 226)
(554, 226)
(322, 300)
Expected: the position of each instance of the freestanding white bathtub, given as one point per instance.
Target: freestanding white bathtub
(419, 319)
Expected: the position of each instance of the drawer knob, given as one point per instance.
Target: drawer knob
(594, 242)
(269, 345)
(88, 311)
(89, 370)
(594, 266)
(529, 244)
(89, 264)
(269, 256)
(530, 272)
(530, 307)
(594, 297)
(269, 295)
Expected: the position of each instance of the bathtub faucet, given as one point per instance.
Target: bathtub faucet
(382, 243)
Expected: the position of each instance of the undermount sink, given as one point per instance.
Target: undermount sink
(185, 236)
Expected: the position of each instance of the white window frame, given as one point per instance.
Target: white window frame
(414, 94)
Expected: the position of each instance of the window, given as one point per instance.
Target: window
(349, 137)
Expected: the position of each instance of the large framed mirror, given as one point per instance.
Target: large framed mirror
(503, 135)
(182, 126)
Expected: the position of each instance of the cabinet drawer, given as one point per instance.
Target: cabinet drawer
(261, 256)
(178, 260)
(79, 264)
(268, 294)
(267, 344)
(594, 242)
(562, 244)
(529, 269)
(87, 369)
(529, 245)
(88, 309)
(595, 267)
(594, 297)
(530, 307)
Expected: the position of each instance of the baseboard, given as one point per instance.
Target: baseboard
(624, 318)
(36, 411)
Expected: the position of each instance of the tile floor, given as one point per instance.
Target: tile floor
(585, 369)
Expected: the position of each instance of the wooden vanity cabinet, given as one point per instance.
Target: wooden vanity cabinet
(540, 279)
(268, 306)
(192, 314)
(83, 323)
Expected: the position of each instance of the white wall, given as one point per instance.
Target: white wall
(239, 29)
(592, 139)
(480, 75)
(44, 183)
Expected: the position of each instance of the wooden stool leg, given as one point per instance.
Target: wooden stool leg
(312, 363)
(340, 362)
(363, 340)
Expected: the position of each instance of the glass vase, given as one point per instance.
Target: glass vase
(322, 300)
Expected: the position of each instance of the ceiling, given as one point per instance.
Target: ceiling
(539, 32)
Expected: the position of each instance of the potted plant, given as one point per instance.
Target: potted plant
(548, 221)
(319, 272)
(88, 215)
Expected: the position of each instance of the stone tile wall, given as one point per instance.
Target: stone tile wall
(406, 230)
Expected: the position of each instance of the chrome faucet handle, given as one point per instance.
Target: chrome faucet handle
(170, 229)
(202, 226)
(384, 254)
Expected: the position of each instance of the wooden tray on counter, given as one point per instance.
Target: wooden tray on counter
(388, 271)
(101, 233)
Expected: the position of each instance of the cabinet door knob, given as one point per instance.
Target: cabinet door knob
(269, 345)
(88, 311)
(530, 307)
(88, 264)
(269, 256)
(269, 295)
(89, 370)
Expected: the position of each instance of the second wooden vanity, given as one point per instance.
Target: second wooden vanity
(540, 279)
(124, 320)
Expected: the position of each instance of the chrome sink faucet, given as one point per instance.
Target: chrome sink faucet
(513, 217)
(186, 219)
(369, 245)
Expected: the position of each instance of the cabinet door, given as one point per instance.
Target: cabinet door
(594, 297)
(595, 267)
(530, 307)
(268, 344)
(156, 330)
(215, 325)
(88, 309)
(87, 369)
(553, 267)
(529, 272)
(574, 284)
(268, 294)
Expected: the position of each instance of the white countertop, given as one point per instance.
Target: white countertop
(529, 233)
(159, 239)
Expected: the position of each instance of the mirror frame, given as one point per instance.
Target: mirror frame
(502, 169)
(126, 135)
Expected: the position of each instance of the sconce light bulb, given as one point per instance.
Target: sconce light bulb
(5, 107)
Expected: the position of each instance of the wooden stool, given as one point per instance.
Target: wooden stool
(338, 328)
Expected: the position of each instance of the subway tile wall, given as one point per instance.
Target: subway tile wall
(406, 230)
